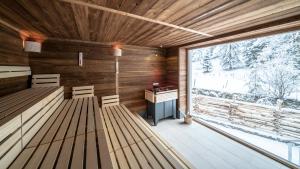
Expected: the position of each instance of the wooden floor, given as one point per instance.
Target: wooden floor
(205, 148)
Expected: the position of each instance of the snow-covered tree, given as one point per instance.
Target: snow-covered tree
(294, 48)
(279, 78)
(255, 85)
(195, 54)
(253, 50)
(206, 64)
(230, 58)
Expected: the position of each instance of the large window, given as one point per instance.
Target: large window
(251, 89)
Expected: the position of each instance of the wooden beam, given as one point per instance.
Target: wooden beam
(99, 43)
(2, 22)
(102, 8)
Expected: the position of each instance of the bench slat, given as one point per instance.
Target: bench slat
(78, 154)
(37, 157)
(65, 154)
(64, 125)
(74, 123)
(91, 151)
(137, 142)
(82, 120)
(50, 158)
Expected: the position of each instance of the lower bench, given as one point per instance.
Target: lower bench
(132, 144)
(73, 137)
(21, 116)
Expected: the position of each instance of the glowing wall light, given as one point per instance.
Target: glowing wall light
(32, 46)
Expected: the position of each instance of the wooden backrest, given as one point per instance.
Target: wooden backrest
(45, 80)
(14, 71)
(110, 100)
(82, 91)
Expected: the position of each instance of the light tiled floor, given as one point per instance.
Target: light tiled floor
(207, 149)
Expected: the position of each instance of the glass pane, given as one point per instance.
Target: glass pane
(251, 89)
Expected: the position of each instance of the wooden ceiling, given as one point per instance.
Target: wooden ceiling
(57, 19)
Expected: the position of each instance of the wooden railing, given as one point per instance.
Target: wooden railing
(283, 121)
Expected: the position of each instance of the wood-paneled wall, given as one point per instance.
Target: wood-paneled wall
(138, 68)
(62, 58)
(172, 66)
(177, 74)
(12, 54)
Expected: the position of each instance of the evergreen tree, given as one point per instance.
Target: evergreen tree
(207, 65)
(253, 49)
(230, 59)
(255, 82)
(294, 48)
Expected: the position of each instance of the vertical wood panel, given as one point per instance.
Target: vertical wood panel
(182, 83)
(139, 68)
(11, 53)
(177, 74)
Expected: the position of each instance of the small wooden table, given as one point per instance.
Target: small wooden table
(161, 104)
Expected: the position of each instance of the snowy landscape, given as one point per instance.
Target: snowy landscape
(263, 71)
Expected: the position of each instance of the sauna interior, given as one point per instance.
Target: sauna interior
(93, 84)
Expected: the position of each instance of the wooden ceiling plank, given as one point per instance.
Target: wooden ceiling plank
(64, 12)
(7, 15)
(134, 16)
(35, 13)
(260, 21)
(49, 14)
(278, 26)
(95, 26)
(145, 32)
(158, 8)
(184, 11)
(106, 17)
(285, 17)
(82, 21)
(102, 23)
(173, 39)
(233, 12)
(272, 9)
(153, 12)
(130, 24)
(172, 9)
(130, 6)
(204, 9)
(236, 9)
(211, 10)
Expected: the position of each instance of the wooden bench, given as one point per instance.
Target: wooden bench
(73, 137)
(14, 71)
(82, 91)
(132, 143)
(110, 100)
(21, 115)
(45, 80)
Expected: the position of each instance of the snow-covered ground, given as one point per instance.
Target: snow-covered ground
(270, 142)
(220, 80)
(234, 81)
